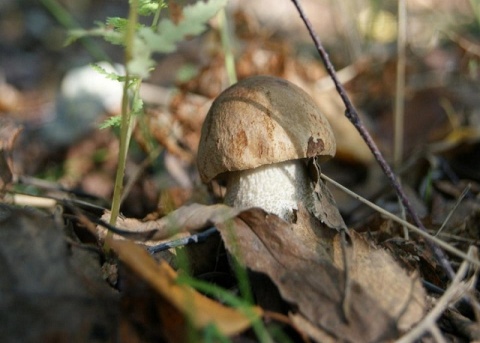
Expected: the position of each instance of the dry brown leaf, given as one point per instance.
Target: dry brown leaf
(398, 294)
(311, 330)
(9, 131)
(11, 98)
(305, 262)
(200, 310)
(324, 207)
(185, 219)
(305, 278)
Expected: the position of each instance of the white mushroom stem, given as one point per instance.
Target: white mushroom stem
(276, 188)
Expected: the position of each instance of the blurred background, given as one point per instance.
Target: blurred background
(50, 94)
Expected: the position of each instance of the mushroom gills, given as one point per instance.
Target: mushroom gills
(277, 188)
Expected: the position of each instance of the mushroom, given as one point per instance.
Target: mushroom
(257, 137)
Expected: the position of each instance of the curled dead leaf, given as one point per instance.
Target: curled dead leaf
(183, 221)
(305, 261)
(306, 279)
(324, 207)
(200, 310)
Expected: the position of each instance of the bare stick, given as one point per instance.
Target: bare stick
(451, 249)
(454, 292)
(352, 115)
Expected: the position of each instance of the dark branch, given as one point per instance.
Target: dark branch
(352, 115)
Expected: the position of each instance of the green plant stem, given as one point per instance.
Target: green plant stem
(400, 97)
(126, 124)
(476, 10)
(67, 21)
(156, 17)
(348, 12)
(122, 154)
(400, 85)
(238, 266)
(231, 300)
(227, 47)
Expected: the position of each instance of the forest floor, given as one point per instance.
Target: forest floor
(63, 278)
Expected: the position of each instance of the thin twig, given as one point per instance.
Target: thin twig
(352, 115)
(455, 291)
(347, 293)
(452, 211)
(399, 220)
(437, 334)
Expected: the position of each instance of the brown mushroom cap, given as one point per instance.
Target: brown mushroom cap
(261, 120)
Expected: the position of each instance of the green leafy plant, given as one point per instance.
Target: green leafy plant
(140, 42)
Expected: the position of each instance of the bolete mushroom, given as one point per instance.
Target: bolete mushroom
(257, 136)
